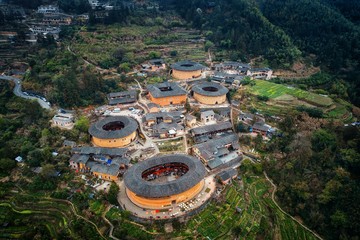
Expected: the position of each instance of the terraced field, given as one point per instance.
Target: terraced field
(259, 216)
(136, 42)
(273, 90)
(51, 217)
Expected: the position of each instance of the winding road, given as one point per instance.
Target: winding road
(17, 91)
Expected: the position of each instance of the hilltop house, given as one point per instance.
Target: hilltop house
(63, 120)
(57, 19)
(48, 9)
(157, 64)
(207, 117)
(260, 73)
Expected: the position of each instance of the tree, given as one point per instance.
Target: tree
(173, 53)
(208, 45)
(82, 124)
(240, 127)
(124, 67)
(322, 139)
(113, 193)
(6, 165)
(258, 142)
(187, 106)
(263, 98)
(153, 55)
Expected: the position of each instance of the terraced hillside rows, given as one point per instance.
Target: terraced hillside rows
(26, 216)
(259, 216)
(110, 45)
(273, 90)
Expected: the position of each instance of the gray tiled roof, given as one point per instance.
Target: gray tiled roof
(122, 97)
(151, 105)
(227, 174)
(207, 113)
(201, 89)
(211, 128)
(174, 89)
(112, 169)
(150, 189)
(69, 143)
(218, 161)
(187, 66)
(215, 147)
(261, 126)
(189, 117)
(120, 160)
(78, 158)
(156, 61)
(165, 127)
(233, 64)
(100, 151)
(260, 70)
(130, 126)
(173, 115)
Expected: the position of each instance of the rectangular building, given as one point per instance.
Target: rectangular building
(125, 97)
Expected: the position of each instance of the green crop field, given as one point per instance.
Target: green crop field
(273, 90)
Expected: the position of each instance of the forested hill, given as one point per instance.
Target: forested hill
(239, 25)
(284, 31)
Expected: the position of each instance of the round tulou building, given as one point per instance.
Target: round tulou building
(186, 69)
(113, 131)
(162, 181)
(210, 93)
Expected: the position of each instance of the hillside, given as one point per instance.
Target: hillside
(284, 32)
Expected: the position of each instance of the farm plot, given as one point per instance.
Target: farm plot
(258, 218)
(26, 215)
(273, 90)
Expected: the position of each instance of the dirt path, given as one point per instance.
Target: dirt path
(108, 222)
(277, 205)
(77, 215)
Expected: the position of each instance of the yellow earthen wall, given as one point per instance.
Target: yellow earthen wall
(111, 143)
(167, 100)
(182, 75)
(209, 100)
(158, 203)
